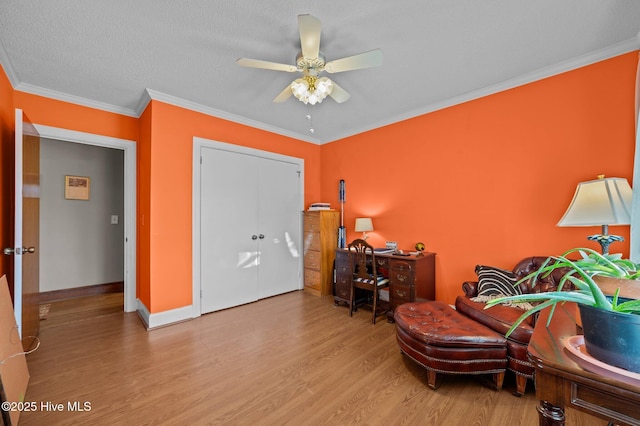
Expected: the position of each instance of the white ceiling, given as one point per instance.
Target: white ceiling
(115, 54)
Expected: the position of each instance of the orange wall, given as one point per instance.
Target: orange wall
(51, 112)
(170, 200)
(487, 181)
(7, 118)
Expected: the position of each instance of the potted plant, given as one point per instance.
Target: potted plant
(610, 323)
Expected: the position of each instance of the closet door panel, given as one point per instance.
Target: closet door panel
(229, 219)
(280, 223)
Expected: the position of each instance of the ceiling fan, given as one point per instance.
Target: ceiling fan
(311, 88)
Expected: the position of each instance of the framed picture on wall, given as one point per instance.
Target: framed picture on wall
(76, 187)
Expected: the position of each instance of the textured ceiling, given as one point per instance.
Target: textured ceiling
(115, 54)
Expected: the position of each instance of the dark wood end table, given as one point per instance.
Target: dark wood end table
(561, 382)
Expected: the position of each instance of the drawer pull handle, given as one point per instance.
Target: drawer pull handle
(401, 277)
(401, 293)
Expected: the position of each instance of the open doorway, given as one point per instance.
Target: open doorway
(126, 151)
(81, 220)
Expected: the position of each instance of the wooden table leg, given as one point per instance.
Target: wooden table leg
(550, 415)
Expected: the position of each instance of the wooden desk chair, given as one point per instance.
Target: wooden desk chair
(364, 276)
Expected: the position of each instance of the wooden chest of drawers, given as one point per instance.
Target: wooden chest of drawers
(320, 235)
(410, 277)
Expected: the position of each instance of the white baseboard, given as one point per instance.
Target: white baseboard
(165, 318)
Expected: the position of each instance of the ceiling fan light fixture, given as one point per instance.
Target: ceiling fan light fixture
(299, 87)
(311, 89)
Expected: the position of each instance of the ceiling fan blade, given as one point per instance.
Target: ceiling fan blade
(339, 94)
(372, 58)
(284, 95)
(256, 63)
(309, 27)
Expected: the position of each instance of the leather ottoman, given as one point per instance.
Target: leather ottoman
(444, 341)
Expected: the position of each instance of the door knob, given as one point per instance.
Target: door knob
(8, 251)
(254, 237)
(261, 236)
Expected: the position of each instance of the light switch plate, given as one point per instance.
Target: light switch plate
(114, 219)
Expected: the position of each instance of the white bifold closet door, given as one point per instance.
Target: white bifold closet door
(250, 228)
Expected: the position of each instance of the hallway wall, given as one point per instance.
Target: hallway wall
(78, 244)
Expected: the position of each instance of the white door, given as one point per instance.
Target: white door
(229, 212)
(249, 228)
(279, 224)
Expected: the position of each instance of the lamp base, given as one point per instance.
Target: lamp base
(605, 240)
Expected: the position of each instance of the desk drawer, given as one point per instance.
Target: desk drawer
(402, 265)
(343, 266)
(401, 292)
(402, 276)
(343, 286)
(382, 262)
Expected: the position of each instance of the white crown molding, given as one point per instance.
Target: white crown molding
(65, 97)
(607, 53)
(193, 106)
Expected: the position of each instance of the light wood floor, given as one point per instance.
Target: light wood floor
(293, 359)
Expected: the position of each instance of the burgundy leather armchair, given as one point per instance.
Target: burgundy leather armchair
(501, 317)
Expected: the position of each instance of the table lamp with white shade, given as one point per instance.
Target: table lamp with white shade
(364, 225)
(600, 202)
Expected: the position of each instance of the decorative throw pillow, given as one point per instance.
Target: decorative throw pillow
(495, 282)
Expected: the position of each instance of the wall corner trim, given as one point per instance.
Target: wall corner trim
(143, 102)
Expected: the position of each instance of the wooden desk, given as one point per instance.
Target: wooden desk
(410, 277)
(561, 382)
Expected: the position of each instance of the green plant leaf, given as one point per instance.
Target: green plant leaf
(527, 314)
(629, 307)
(579, 273)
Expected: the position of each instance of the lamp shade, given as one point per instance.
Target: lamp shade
(364, 224)
(604, 201)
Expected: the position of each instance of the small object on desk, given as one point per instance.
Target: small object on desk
(382, 250)
(392, 245)
(401, 253)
